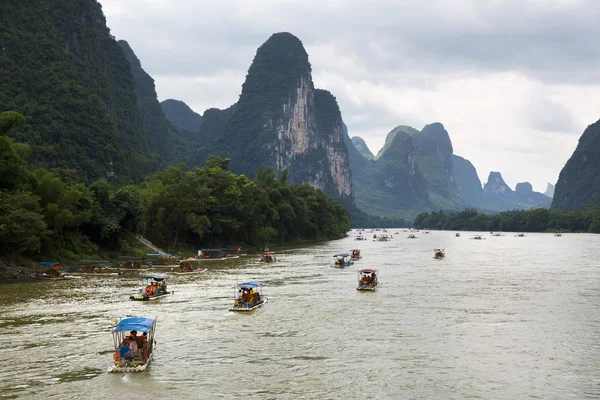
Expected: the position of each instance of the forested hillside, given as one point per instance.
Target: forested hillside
(46, 214)
(61, 68)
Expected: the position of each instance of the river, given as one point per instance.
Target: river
(502, 318)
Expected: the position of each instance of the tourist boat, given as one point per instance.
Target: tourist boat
(438, 254)
(426, 232)
(53, 274)
(367, 279)
(268, 257)
(496, 234)
(355, 255)
(248, 296)
(457, 234)
(342, 261)
(155, 287)
(478, 237)
(187, 269)
(126, 359)
(520, 235)
(557, 234)
(210, 255)
(360, 237)
(411, 236)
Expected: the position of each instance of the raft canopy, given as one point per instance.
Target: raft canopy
(342, 255)
(135, 324)
(367, 271)
(159, 255)
(155, 277)
(268, 252)
(250, 284)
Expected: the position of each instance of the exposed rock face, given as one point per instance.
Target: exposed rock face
(362, 147)
(282, 122)
(467, 181)
(578, 184)
(549, 190)
(181, 115)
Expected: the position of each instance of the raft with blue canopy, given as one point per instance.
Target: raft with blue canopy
(133, 352)
(248, 296)
(342, 261)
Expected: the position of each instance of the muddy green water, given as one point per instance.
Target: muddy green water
(503, 318)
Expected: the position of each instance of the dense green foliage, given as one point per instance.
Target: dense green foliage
(51, 214)
(535, 220)
(362, 147)
(578, 184)
(61, 69)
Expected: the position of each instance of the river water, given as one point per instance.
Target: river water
(502, 318)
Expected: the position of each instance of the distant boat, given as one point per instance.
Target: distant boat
(342, 261)
(268, 257)
(355, 255)
(557, 234)
(457, 234)
(520, 235)
(155, 287)
(478, 237)
(439, 254)
(411, 236)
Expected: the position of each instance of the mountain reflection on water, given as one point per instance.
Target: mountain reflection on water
(502, 318)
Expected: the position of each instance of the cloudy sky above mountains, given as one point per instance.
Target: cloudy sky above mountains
(515, 83)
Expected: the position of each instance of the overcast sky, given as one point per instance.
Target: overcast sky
(515, 83)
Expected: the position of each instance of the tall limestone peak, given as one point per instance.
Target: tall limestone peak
(362, 147)
(467, 181)
(495, 184)
(434, 156)
(282, 122)
(181, 115)
(578, 184)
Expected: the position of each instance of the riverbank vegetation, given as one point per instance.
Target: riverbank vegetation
(52, 214)
(536, 220)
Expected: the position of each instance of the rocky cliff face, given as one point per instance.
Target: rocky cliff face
(495, 185)
(362, 147)
(467, 181)
(578, 184)
(282, 122)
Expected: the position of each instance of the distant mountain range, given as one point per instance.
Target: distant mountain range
(92, 109)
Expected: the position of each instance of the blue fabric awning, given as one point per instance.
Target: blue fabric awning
(342, 255)
(134, 324)
(250, 284)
